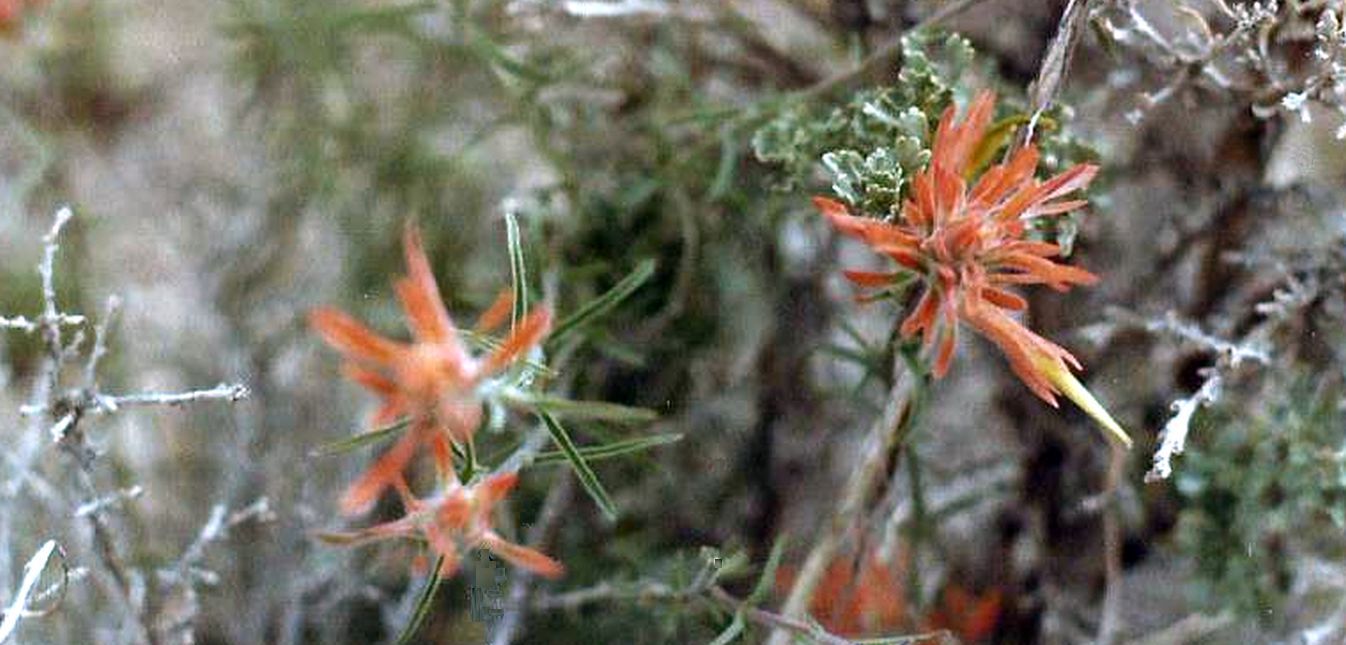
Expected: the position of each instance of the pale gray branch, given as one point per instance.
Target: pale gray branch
(230, 392)
(32, 572)
(1173, 438)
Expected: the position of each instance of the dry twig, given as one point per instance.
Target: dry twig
(19, 607)
(886, 436)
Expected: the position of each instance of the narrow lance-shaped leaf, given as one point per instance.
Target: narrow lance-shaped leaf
(393, 20)
(767, 580)
(484, 342)
(604, 303)
(586, 475)
(361, 440)
(729, 158)
(423, 604)
(572, 409)
(761, 590)
(732, 632)
(518, 273)
(610, 450)
(481, 44)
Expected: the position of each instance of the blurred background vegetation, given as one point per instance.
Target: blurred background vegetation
(233, 164)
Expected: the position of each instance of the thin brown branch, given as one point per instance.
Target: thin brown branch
(65, 411)
(1055, 65)
(886, 436)
(106, 548)
(100, 343)
(229, 392)
(187, 572)
(1110, 623)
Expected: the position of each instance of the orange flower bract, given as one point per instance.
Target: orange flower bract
(857, 596)
(458, 520)
(433, 380)
(966, 244)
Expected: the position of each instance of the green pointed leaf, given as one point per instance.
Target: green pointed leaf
(732, 632)
(361, 440)
(586, 475)
(588, 410)
(610, 450)
(423, 604)
(767, 581)
(517, 268)
(395, 19)
(604, 303)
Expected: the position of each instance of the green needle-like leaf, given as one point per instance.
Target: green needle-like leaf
(610, 450)
(590, 410)
(582, 470)
(361, 440)
(604, 303)
(517, 269)
(423, 604)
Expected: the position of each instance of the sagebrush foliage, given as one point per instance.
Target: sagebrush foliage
(1259, 488)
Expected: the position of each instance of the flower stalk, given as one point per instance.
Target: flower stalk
(886, 436)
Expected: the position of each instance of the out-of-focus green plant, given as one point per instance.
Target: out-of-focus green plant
(873, 142)
(1257, 487)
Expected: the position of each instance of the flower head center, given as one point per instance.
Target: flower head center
(429, 371)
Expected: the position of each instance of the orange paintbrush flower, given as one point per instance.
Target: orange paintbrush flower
(457, 521)
(965, 243)
(434, 380)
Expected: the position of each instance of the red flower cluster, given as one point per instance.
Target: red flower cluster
(434, 382)
(12, 12)
(458, 520)
(966, 244)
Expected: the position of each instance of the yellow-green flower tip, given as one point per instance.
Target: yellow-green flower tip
(1060, 376)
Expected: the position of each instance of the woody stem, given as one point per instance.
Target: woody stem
(885, 441)
(1109, 622)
